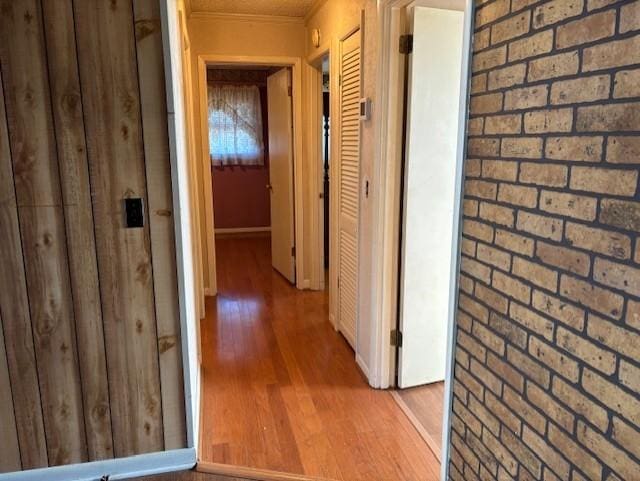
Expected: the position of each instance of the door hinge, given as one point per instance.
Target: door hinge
(340, 79)
(290, 91)
(293, 251)
(406, 43)
(396, 338)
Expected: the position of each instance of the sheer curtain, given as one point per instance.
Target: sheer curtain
(235, 125)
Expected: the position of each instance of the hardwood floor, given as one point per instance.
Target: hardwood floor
(424, 405)
(280, 387)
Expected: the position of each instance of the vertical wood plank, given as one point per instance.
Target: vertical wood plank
(158, 173)
(111, 103)
(10, 452)
(74, 177)
(41, 219)
(16, 322)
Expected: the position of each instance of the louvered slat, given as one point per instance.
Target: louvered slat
(349, 186)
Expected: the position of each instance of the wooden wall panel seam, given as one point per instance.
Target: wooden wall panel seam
(10, 459)
(116, 163)
(66, 101)
(42, 231)
(23, 365)
(150, 67)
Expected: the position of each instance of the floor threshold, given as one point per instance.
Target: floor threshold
(252, 473)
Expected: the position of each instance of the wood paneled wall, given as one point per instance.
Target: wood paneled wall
(90, 359)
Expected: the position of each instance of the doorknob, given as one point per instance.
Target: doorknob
(270, 187)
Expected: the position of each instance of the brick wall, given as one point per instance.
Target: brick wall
(547, 374)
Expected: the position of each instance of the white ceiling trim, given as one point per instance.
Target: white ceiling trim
(285, 8)
(245, 17)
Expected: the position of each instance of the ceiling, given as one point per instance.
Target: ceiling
(286, 8)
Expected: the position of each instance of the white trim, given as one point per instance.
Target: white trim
(123, 468)
(296, 66)
(255, 474)
(189, 322)
(241, 230)
(456, 235)
(384, 246)
(246, 17)
(362, 365)
(298, 151)
(313, 144)
(386, 205)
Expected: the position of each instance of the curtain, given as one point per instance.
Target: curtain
(235, 125)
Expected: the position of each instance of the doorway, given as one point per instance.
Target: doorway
(430, 152)
(289, 242)
(250, 120)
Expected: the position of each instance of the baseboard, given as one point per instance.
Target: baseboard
(362, 365)
(123, 468)
(241, 230)
(252, 473)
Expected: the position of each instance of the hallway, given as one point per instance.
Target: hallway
(281, 389)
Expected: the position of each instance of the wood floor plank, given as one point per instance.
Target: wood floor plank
(424, 406)
(83, 267)
(16, 322)
(42, 228)
(281, 389)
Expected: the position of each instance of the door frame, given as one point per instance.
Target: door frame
(382, 284)
(313, 143)
(295, 63)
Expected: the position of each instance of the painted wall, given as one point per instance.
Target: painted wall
(335, 19)
(90, 365)
(547, 371)
(240, 196)
(220, 35)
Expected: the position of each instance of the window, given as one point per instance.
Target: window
(235, 125)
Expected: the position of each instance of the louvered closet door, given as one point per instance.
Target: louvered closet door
(349, 170)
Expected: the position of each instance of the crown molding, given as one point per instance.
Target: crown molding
(245, 17)
(317, 5)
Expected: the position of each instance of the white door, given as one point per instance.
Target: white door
(281, 173)
(349, 186)
(433, 100)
